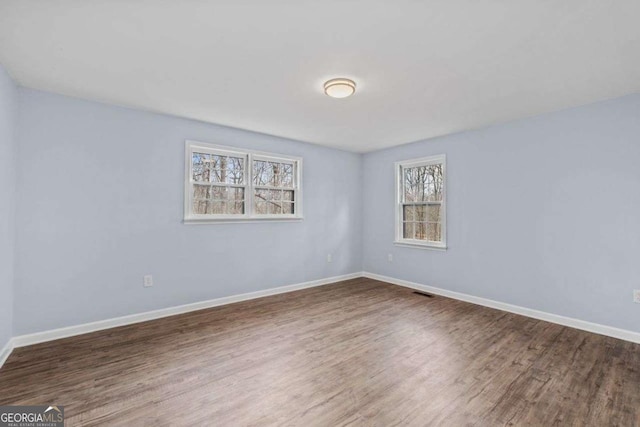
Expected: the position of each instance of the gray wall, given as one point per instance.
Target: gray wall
(543, 213)
(100, 199)
(8, 106)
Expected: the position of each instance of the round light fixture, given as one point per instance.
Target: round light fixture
(340, 88)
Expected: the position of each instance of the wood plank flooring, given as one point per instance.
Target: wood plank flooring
(359, 352)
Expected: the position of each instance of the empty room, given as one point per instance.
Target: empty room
(304, 213)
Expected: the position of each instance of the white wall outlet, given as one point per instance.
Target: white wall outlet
(147, 281)
(390, 257)
(636, 296)
(329, 258)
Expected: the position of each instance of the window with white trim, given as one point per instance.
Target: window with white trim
(224, 183)
(420, 202)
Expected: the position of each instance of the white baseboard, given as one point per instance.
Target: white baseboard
(54, 334)
(596, 328)
(6, 351)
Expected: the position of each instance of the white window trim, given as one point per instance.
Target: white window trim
(422, 244)
(249, 155)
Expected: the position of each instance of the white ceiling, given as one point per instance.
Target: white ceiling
(423, 68)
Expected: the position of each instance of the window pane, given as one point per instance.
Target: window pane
(214, 168)
(200, 207)
(217, 200)
(288, 195)
(272, 174)
(266, 206)
(201, 192)
(276, 173)
(432, 213)
(275, 194)
(274, 208)
(261, 195)
(422, 214)
(423, 183)
(200, 167)
(288, 208)
(434, 232)
(260, 207)
(235, 194)
(235, 208)
(409, 213)
(219, 193)
(225, 169)
(421, 230)
(268, 195)
(235, 170)
(216, 162)
(408, 185)
(408, 230)
(218, 207)
(261, 174)
(287, 175)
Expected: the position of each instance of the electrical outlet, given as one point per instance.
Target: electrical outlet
(636, 296)
(390, 257)
(329, 258)
(147, 281)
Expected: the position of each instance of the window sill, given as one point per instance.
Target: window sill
(418, 245)
(195, 221)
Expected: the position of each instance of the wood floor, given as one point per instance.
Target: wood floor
(359, 352)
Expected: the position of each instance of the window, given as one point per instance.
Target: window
(226, 184)
(420, 202)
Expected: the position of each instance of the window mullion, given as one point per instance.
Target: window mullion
(248, 192)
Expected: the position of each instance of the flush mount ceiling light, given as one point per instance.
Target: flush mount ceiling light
(339, 88)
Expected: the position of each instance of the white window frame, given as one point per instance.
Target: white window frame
(423, 161)
(249, 156)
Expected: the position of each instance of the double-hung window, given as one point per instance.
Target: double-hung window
(274, 185)
(420, 202)
(224, 183)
